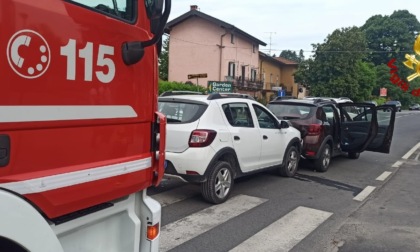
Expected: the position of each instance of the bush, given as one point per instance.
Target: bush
(379, 100)
(176, 86)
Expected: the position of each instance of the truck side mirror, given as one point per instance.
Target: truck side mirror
(133, 51)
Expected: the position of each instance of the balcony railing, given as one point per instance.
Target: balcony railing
(246, 83)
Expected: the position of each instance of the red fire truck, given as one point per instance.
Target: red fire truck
(79, 131)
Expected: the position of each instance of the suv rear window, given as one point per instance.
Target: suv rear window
(291, 111)
(181, 112)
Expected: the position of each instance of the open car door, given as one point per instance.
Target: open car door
(366, 127)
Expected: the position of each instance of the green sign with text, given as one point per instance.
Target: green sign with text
(220, 86)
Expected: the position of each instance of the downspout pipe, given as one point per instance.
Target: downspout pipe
(221, 50)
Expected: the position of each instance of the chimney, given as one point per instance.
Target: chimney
(193, 7)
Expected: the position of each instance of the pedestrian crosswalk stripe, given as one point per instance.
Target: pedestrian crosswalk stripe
(176, 195)
(286, 232)
(193, 225)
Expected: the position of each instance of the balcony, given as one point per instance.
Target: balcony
(246, 83)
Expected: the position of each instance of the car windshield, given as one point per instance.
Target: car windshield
(290, 111)
(181, 112)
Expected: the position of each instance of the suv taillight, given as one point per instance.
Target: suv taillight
(202, 138)
(314, 129)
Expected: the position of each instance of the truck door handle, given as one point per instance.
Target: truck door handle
(236, 138)
(4, 150)
(265, 137)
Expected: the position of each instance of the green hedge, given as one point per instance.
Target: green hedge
(173, 86)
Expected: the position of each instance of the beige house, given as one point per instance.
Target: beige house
(202, 44)
(277, 73)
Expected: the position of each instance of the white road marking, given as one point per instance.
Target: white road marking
(363, 194)
(175, 195)
(410, 152)
(383, 176)
(397, 164)
(286, 232)
(193, 225)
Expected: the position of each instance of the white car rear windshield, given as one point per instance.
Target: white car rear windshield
(181, 112)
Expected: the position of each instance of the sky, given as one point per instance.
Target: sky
(293, 24)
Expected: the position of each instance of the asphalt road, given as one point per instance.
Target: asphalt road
(310, 212)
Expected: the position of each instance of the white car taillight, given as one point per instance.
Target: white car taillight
(202, 138)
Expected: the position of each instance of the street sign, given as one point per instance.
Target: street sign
(382, 92)
(220, 86)
(195, 76)
(282, 92)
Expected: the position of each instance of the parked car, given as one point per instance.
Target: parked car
(330, 129)
(397, 104)
(284, 98)
(372, 102)
(337, 100)
(414, 107)
(214, 139)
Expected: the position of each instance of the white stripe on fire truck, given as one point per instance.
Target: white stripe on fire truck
(62, 112)
(74, 178)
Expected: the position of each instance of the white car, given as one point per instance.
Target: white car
(214, 139)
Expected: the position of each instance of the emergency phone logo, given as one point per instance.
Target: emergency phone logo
(28, 54)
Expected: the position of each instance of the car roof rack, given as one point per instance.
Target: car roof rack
(181, 92)
(282, 98)
(215, 96)
(318, 100)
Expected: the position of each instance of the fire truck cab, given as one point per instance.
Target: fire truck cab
(79, 127)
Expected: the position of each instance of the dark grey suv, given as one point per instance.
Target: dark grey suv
(330, 129)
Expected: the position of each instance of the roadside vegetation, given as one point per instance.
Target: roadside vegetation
(351, 62)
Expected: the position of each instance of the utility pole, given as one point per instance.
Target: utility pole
(269, 50)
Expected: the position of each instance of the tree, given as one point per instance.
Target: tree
(391, 36)
(333, 71)
(365, 77)
(164, 60)
(301, 57)
(290, 55)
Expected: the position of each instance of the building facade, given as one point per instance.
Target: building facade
(277, 74)
(200, 44)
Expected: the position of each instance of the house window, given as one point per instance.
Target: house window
(231, 69)
(254, 48)
(232, 38)
(253, 75)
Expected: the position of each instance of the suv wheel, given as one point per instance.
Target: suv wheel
(219, 183)
(354, 155)
(322, 163)
(290, 162)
